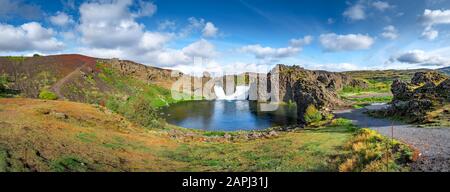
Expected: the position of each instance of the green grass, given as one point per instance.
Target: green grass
(214, 133)
(121, 143)
(47, 95)
(16, 58)
(86, 137)
(314, 149)
(69, 164)
(383, 99)
(3, 160)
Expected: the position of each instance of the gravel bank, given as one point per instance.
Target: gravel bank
(433, 143)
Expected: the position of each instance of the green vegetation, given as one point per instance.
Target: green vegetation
(312, 114)
(373, 87)
(3, 161)
(47, 95)
(69, 164)
(373, 152)
(381, 99)
(3, 85)
(136, 100)
(302, 151)
(86, 137)
(377, 91)
(5, 91)
(16, 58)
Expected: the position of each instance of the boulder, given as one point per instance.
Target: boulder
(401, 90)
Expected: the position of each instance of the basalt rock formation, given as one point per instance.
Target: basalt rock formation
(427, 77)
(316, 88)
(426, 92)
(154, 75)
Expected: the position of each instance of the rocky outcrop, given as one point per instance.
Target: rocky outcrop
(413, 100)
(421, 78)
(154, 75)
(317, 88)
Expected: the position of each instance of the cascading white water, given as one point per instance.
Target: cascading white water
(241, 93)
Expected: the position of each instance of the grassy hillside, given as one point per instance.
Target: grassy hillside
(87, 80)
(40, 135)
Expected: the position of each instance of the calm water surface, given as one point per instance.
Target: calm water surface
(227, 115)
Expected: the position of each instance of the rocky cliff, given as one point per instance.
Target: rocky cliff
(154, 75)
(426, 92)
(311, 88)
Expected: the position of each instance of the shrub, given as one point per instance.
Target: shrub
(312, 114)
(47, 95)
(142, 112)
(3, 82)
(373, 152)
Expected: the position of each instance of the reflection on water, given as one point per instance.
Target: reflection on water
(227, 115)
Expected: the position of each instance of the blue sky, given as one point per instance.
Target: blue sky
(234, 35)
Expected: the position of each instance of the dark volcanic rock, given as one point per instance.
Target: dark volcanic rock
(427, 77)
(414, 100)
(401, 90)
(317, 88)
(443, 89)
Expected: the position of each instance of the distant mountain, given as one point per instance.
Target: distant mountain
(445, 70)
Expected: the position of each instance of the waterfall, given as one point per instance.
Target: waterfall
(241, 93)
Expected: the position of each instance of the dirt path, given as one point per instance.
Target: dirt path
(433, 143)
(57, 86)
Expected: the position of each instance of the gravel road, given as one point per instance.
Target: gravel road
(433, 143)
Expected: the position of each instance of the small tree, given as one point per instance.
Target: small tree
(47, 95)
(312, 114)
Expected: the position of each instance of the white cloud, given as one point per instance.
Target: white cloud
(335, 43)
(210, 30)
(201, 48)
(381, 5)
(145, 9)
(166, 25)
(420, 57)
(219, 69)
(153, 41)
(433, 17)
(301, 41)
(390, 32)
(61, 19)
(109, 25)
(430, 34)
(28, 37)
(109, 29)
(261, 52)
(355, 12)
(333, 67)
